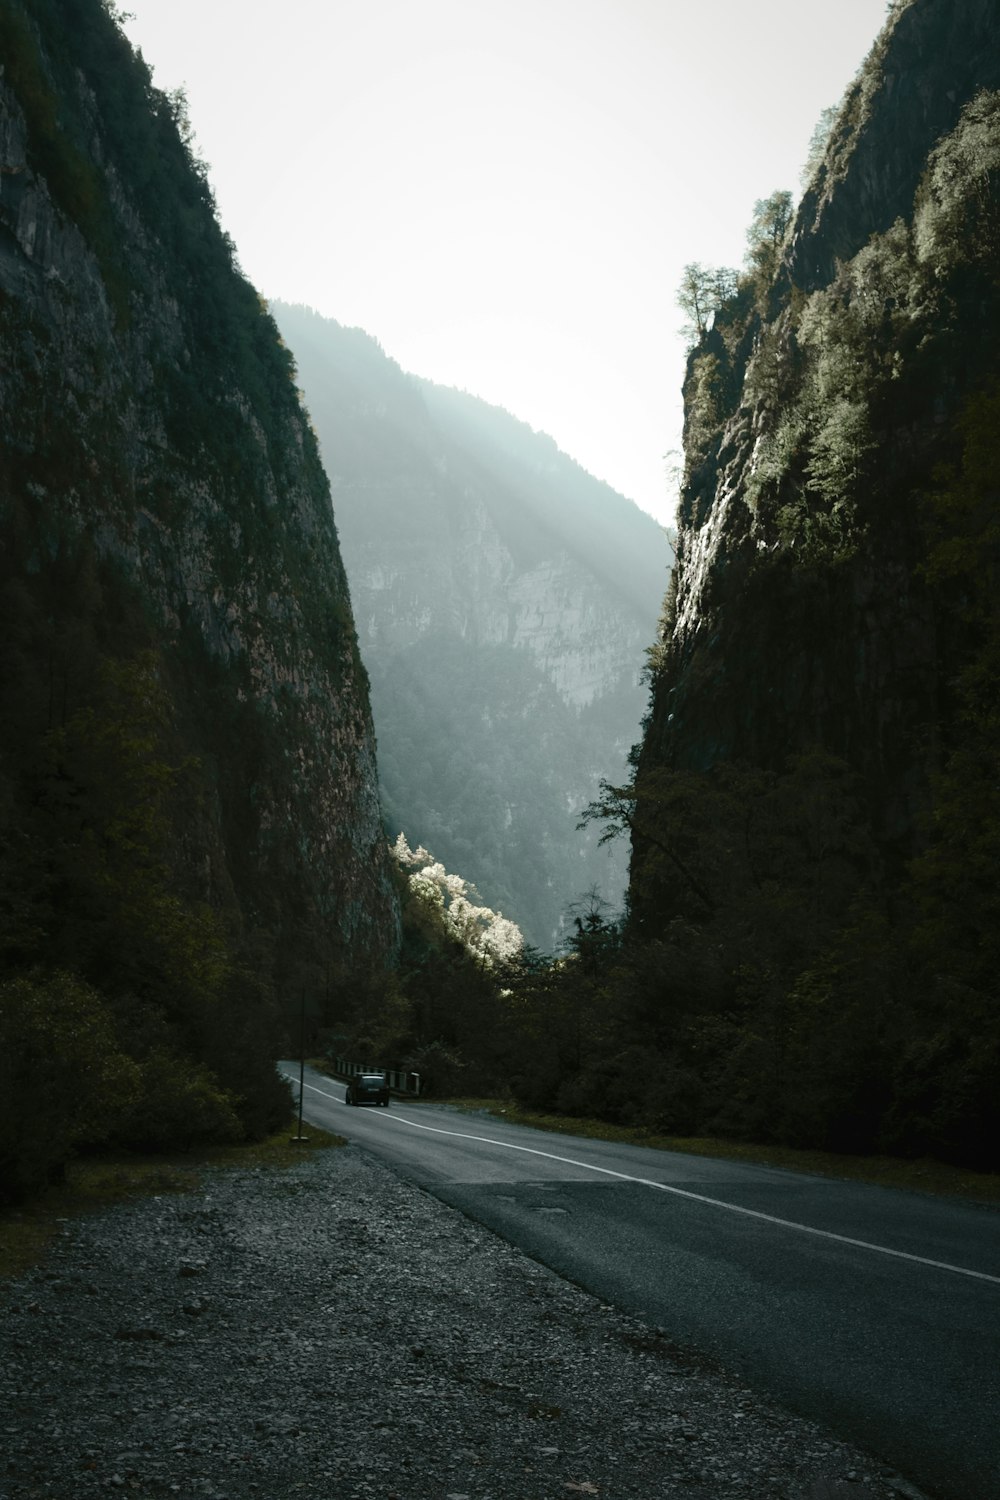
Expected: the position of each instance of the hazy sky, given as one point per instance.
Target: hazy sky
(504, 192)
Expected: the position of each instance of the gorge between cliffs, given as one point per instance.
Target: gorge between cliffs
(344, 710)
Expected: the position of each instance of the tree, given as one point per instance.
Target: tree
(487, 935)
(772, 218)
(702, 292)
(618, 808)
(817, 143)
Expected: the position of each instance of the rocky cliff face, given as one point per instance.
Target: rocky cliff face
(162, 494)
(816, 825)
(817, 407)
(925, 67)
(504, 600)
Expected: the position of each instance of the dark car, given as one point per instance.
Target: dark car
(368, 1088)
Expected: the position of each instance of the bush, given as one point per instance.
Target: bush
(63, 1080)
(181, 1105)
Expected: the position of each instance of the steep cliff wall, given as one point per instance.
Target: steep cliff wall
(816, 790)
(928, 63)
(164, 504)
(800, 612)
(505, 600)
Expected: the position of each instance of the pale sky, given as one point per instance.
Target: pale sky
(504, 192)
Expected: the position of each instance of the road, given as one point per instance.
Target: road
(873, 1311)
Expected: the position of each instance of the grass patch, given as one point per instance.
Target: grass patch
(100, 1181)
(922, 1176)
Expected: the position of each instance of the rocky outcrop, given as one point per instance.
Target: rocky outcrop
(153, 442)
(927, 64)
(505, 600)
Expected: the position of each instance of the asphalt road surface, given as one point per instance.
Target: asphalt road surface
(873, 1311)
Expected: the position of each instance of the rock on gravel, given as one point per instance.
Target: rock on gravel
(332, 1330)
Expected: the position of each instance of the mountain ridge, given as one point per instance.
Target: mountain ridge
(467, 533)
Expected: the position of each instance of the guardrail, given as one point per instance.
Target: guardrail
(399, 1081)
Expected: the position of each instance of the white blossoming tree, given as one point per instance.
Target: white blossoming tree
(488, 935)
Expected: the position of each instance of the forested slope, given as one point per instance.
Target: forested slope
(189, 811)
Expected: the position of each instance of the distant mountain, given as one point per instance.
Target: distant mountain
(505, 599)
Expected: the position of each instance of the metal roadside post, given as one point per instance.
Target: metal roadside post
(297, 1139)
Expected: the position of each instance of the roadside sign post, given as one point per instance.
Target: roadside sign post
(302, 1067)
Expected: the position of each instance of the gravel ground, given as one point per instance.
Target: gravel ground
(332, 1330)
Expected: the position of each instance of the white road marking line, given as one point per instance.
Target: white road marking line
(663, 1187)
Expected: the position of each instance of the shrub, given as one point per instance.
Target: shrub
(181, 1105)
(63, 1080)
